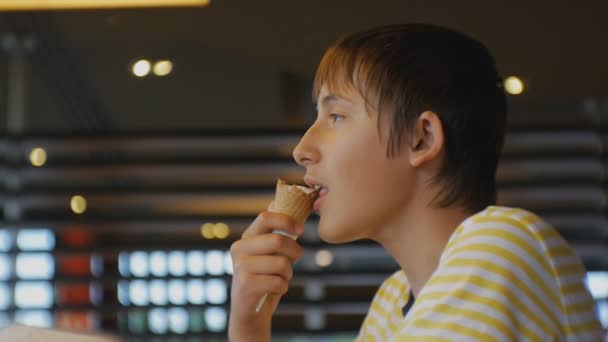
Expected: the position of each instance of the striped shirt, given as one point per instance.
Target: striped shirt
(504, 275)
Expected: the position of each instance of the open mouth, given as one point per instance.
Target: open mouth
(320, 199)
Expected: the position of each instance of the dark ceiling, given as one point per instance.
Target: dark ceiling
(559, 48)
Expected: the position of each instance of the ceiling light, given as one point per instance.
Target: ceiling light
(78, 204)
(38, 156)
(221, 230)
(162, 68)
(141, 68)
(324, 258)
(207, 231)
(514, 85)
(33, 5)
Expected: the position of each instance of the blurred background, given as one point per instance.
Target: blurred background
(136, 144)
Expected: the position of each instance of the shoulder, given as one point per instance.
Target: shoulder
(504, 229)
(510, 245)
(513, 218)
(497, 275)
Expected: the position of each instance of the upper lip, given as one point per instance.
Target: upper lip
(313, 183)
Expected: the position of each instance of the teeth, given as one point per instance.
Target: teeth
(317, 187)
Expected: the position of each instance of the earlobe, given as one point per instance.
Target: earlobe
(428, 139)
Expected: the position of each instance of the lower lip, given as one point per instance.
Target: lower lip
(317, 205)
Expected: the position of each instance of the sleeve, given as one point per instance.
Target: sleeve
(493, 283)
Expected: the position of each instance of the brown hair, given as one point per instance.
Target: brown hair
(411, 68)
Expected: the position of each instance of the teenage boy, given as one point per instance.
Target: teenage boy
(410, 128)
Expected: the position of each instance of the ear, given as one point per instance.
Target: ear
(427, 139)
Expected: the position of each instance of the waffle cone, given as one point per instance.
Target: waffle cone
(294, 201)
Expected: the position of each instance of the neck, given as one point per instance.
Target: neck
(416, 239)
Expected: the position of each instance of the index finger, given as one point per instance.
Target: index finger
(268, 221)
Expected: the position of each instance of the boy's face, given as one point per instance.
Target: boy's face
(344, 152)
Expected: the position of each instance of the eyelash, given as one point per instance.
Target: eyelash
(334, 117)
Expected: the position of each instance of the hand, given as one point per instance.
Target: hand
(261, 264)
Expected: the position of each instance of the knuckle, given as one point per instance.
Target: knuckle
(283, 263)
(276, 241)
(234, 248)
(298, 251)
(279, 285)
(284, 287)
(289, 274)
(284, 267)
(264, 216)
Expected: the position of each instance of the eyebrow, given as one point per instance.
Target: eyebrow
(333, 98)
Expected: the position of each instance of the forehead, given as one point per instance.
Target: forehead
(341, 93)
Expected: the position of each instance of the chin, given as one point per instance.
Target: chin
(336, 234)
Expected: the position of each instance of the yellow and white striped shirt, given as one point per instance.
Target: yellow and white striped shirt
(505, 275)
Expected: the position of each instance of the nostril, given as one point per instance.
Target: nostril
(303, 161)
(306, 151)
(300, 156)
(304, 158)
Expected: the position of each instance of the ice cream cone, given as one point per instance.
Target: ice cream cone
(293, 200)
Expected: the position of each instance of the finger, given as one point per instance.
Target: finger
(267, 265)
(253, 286)
(267, 244)
(268, 221)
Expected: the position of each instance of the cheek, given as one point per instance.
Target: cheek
(367, 188)
(380, 188)
(363, 167)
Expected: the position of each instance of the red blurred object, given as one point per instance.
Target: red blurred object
(76, 320)
(78, 237)
(74, 265)
(73, 294)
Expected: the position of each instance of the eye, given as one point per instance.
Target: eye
(336, 117)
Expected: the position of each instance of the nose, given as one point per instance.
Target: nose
(307, 151)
